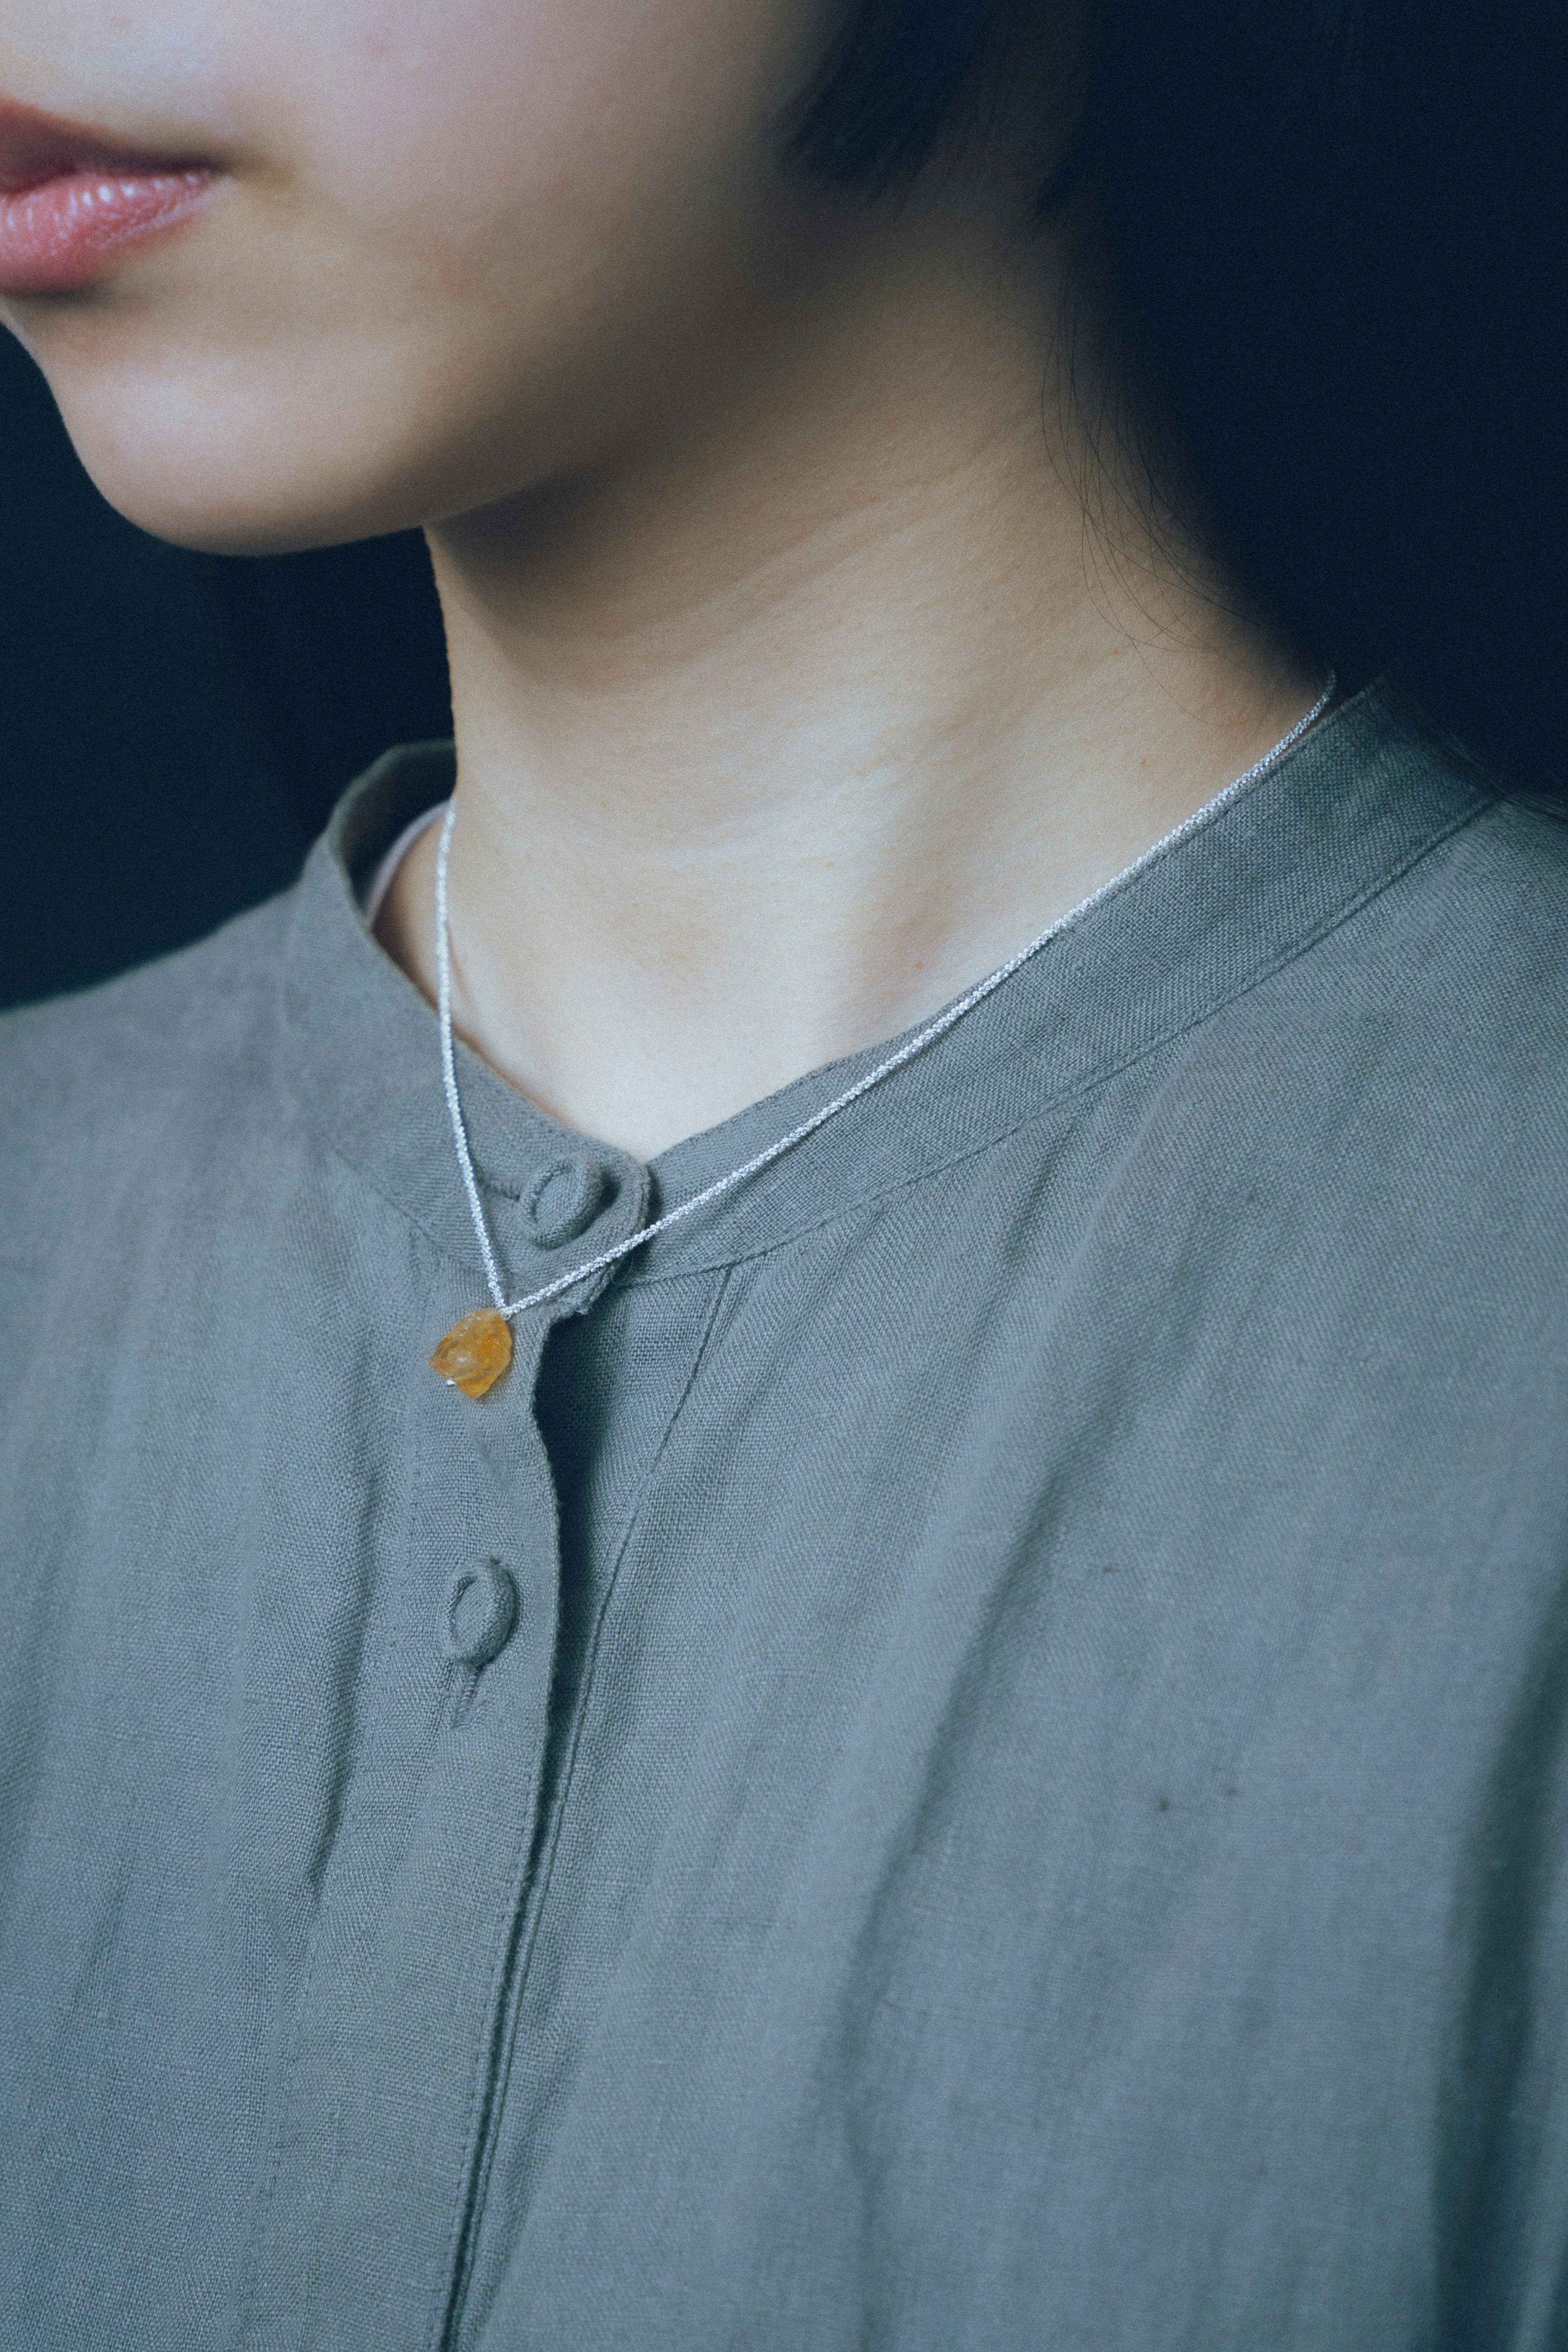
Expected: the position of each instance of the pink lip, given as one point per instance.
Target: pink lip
(72, 202)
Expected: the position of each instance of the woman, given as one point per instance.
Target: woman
(942, 1722)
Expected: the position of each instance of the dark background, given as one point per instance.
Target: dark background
(137, 810)
(174, 729)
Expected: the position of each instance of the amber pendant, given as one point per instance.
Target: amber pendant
(474, 1352)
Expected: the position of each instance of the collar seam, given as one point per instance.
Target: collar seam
(1088, 1085)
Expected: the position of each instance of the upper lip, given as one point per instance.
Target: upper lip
(36, 147)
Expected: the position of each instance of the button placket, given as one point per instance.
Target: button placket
(427, 1859)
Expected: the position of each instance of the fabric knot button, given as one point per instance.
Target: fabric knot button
(566, 1198)
(481, 1612)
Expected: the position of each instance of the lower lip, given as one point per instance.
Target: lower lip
(67, 232)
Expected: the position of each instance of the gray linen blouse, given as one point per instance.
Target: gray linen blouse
(970, 1753)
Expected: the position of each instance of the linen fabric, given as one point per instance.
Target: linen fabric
(968, 1752)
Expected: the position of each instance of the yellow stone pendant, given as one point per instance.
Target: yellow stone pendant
(474, 1352)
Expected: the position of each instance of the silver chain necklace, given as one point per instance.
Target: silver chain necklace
(478, 1349)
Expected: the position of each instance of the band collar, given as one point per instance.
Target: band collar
(1249, 886)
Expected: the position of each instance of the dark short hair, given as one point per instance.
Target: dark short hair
(1334, 249)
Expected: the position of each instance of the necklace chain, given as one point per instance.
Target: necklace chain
(946, 1020)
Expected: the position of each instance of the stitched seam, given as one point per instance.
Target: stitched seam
(525, 1910)
(1069, 1094)
(450, 2278)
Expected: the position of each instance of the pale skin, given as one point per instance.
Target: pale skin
(793, 690)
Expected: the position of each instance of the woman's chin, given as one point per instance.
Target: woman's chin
(232, 480)
(232, 452)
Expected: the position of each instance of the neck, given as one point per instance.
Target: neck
(776, 736)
